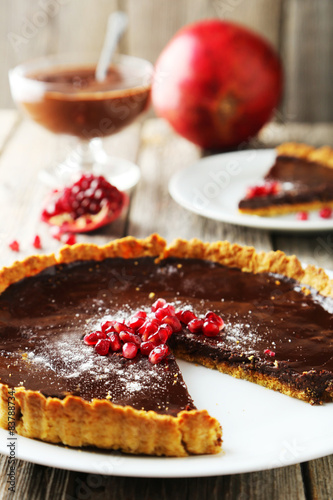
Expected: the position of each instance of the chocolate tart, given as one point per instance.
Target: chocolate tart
(278, 332)
(302, 177)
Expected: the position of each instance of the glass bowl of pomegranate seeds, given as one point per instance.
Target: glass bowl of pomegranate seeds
(62, 94)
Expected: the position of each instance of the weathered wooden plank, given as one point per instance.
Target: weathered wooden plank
(277, 484)
(8, 120)
(152, 24)
(315, 249)
(307, 47)
(262, 16)
(276, 133)
(319, 474)
(80, 25)
(33, 482)
(26, 34)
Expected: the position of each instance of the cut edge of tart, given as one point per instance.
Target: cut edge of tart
(77, 422)
(270, 191)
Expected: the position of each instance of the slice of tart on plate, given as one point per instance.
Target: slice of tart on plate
(301, 179)
(88, 339)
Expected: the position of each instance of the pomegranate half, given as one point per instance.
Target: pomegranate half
(217, 83)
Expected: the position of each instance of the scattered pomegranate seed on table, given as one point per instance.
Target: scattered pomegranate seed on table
(14, 245)
(149, 332)
(37, 242)
(70, 239)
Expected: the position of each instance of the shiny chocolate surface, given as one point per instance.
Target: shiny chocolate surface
(44, 318)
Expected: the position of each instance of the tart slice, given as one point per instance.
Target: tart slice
(301, 179)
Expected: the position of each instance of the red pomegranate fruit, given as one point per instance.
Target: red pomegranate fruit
(89, 203)
(217, 83)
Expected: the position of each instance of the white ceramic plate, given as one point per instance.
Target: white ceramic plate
(213, 187)
(262, 429)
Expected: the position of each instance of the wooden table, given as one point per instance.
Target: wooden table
(24, 149)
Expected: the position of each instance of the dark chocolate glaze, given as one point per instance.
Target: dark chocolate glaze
(301, 182)
(43, 320)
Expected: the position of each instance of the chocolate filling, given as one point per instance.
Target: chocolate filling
(301, 181)
(44, 318)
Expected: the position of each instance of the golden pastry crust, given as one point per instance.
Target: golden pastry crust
(76, 422)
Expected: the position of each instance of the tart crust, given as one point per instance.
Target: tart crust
(76, 422)
(322, 156)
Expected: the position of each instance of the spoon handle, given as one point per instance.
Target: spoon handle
(117, 23)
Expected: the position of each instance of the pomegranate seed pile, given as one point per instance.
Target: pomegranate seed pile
(149, 333)
(86, 196)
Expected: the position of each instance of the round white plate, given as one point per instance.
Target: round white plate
(213, 187)
(262, 429)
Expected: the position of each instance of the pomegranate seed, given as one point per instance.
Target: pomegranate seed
(121, 327)
(185, 316)
(115, 343)
(102, 347)
(325, 213)
(167, 329)
(37, 242)
(106, 325)
(146, 347)
(155, 339)
(174, 322)
(269, 188)
(14, 245)
(140, 314)
(126, 336)
(210, 329)
(302, 216)
(269, 352)
(211, 316)
(158, 304)
(100, 335)
(135, 322)
(167, 310)
(195, 326)
(70, 239)
(158, 353)
(91, 338)
(130, 350)
(148, 328)
(161, 336)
